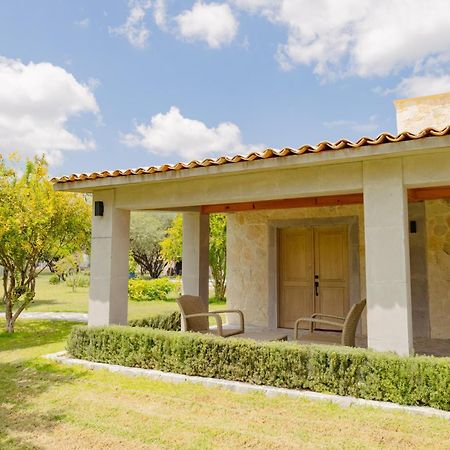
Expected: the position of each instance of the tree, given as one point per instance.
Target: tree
(146, 232)
(68, 269)
(218, 253)
(36, 224)
(172, 245)
(172, 249)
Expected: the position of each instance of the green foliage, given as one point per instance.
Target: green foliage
(147, 230)
(172, 248)
(132, 264)
(69, 269)
(140, 290)
(36, 224)
(172, 245)
(218, 253)
(361, 373)
(54, 279)
(168, 321)
(79, 280)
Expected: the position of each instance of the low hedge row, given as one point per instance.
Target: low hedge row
(166, 321)
(345, 371)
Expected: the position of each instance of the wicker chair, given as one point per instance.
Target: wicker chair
(195, 317)
(347, 324)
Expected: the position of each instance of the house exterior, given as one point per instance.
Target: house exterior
(313, 229)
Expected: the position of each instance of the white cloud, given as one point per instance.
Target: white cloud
(357, 37)
(368, 127)
(213, 23)
(418, 85)
(160, 13)
(135, 29)
(171, 134)
(84, 23)
(36, 102)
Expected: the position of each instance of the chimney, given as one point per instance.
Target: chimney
(415, 114)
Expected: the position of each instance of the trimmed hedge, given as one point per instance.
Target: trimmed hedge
(167, 321)
(361, 373)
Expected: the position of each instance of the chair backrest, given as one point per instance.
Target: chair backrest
(351, 322)
(191, 304)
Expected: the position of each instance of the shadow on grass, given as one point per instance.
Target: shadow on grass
(33, 333)
(23, 380)
(19, 384)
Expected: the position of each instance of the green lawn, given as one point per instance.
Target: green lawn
(60, 298)
(44, 405)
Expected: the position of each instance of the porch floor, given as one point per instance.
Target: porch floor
(422, 346)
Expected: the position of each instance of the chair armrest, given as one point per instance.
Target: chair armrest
(233, 311)
(216, 316)
(327, 315)
(312, 321)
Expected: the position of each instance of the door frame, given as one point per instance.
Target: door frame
(353, 257)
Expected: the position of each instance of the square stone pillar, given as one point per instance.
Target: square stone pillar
(196, 255)
(389, 322)
(108, 294)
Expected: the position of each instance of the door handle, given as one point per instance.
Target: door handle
(316, 285)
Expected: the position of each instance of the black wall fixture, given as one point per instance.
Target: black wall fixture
(99, 208)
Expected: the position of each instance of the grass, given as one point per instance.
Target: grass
(60, 298)
(44, 405)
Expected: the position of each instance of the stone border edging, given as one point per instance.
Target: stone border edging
(245, 388)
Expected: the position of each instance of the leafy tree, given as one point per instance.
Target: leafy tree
(36, 223)
(68, 269)
(172, 249)
(146, 232)
(172, 245)
(218, 253)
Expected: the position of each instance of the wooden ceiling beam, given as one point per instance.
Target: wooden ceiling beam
(306, 202)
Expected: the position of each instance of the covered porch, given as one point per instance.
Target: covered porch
(369, 190)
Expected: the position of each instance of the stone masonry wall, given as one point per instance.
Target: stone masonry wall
(248, 255)
(248, 263)
(438, 256)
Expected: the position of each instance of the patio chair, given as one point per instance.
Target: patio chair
(195, 317)
(347, 324)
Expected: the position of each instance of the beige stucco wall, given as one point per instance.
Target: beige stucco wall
(438, 256)
(415, 114)
(248, 255)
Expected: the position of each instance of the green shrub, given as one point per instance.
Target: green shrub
(167, 321)
(77, 280)
(54, 279)
(361, 373)
(148, 290)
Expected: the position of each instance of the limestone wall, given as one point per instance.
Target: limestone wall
(415, 114)
(249, 271)
(248, 255)
(438, 257)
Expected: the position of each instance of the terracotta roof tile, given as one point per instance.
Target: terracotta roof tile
(384, 138)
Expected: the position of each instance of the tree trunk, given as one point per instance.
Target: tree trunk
(9, 326)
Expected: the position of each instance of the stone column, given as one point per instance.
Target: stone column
(196, 255)
(108, 294)
(389, 323)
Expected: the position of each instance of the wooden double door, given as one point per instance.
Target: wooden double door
(313, 273)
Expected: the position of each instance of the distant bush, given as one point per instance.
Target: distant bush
(149, 290)
(54, 279)
(77, 280)
(167, 321)
(419, 380)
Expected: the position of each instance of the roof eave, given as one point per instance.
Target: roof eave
(385, 150)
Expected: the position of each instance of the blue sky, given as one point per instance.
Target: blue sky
(115, 84)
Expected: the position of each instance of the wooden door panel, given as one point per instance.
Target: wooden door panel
(296, 302)
(331, 265)
(296, 272)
